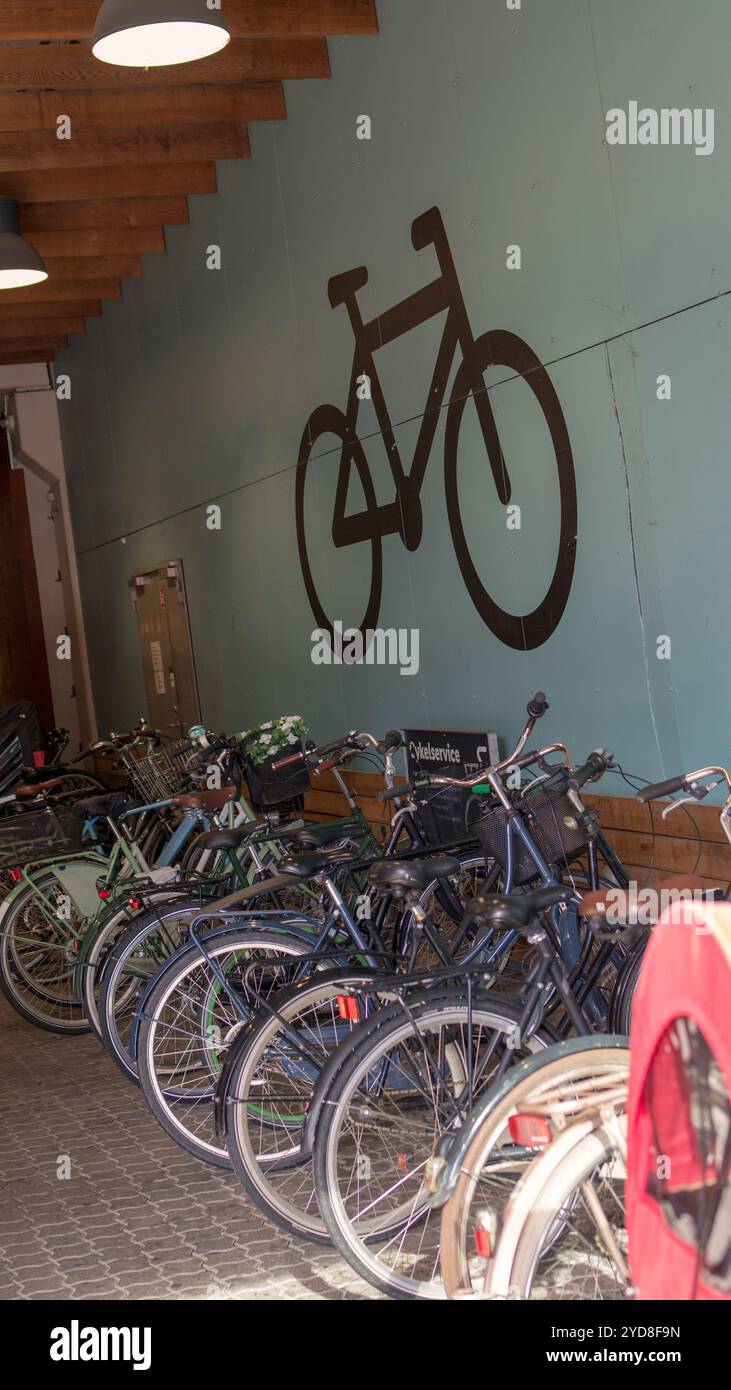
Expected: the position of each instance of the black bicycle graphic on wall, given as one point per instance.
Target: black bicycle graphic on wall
(403, 515)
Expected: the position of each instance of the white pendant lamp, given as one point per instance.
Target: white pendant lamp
(20, 263)
(158, 33)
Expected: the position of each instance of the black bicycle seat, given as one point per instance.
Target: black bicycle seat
(107, 804)
(402, 876)
(305, 865)
(515, 911)
(312, 837)
(31, 773)
(232, 837)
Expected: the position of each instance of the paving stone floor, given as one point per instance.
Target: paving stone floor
(138, 1217)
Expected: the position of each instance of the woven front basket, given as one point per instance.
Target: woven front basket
(269, 789)
(550, 818)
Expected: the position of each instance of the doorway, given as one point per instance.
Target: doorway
(159, 600)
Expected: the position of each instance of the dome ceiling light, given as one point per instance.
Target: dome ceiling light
(158, 33)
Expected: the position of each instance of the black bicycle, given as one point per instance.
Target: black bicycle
(403, 515)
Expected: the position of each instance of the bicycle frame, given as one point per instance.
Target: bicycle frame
(403, 515)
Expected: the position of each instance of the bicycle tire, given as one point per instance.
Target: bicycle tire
(275, 1181)
(172, 1104)
(328, 419)
(522, 632)
(460, 1272)
(355, 1241)
(559, 1194)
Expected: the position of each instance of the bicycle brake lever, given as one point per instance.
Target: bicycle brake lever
(686, 801)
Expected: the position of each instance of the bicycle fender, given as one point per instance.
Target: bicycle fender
(454, 1149)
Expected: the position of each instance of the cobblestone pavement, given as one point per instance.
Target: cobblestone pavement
(138, 1217)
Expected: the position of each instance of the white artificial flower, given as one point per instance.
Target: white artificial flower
(292, 738)
(265, 738)
(268, 724)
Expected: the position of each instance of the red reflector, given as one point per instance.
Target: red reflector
(134, 903)
(16, 875)
(39, 757)
(483, 1243)
(104, 892)
(530, 1131)
(348, 1007)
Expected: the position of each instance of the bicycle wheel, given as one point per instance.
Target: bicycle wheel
(278, 1061)
(95, 954)
(390, 1102)
(329, 420)
(40, 933)
(492, 1163)
(582, 1198)
(522, 631)
(190, 1019)
(128, 968)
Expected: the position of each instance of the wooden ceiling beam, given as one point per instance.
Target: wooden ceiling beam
(39, 328)
(74, 19)
(98, 241)
(128, 145)
(74, 66)
(47, 293)
(18, 359)
(24, 344)
(104, 213)
(246, 101)
(145, 180)
(77, 308)
(92, 267)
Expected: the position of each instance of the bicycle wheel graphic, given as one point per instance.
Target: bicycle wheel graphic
(522, 631)
(328, 419)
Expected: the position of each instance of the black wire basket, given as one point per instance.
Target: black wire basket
(552, 821)
(442, 815)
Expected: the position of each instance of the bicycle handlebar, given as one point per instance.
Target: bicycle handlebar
(688, 782)
(595, 766)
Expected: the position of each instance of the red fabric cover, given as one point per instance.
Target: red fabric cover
(686, 974)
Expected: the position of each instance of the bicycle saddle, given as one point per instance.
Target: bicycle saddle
(317, 836)
(619, 908)
(306, 865)
(106, 804)
(24, 791)
(515, 910)
(231, 838)
(402, 876)
(30, 773)
(206, 800)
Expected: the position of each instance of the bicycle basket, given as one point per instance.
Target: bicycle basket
(34, 835)
(158, 776)
(442, 815)
(550, 818)
(268, 789)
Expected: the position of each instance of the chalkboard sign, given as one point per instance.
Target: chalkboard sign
(446, 753)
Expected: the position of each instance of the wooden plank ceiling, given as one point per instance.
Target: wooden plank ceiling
(141, 141)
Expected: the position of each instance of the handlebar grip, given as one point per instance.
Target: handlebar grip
(537, 705)
(292, 760)
(596, 763)
(326, 765)
(388, 793)
(393, 739)
(656, 789)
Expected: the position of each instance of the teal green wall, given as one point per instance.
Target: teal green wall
(195, 386)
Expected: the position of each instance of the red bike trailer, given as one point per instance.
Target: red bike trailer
(678, 1191)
